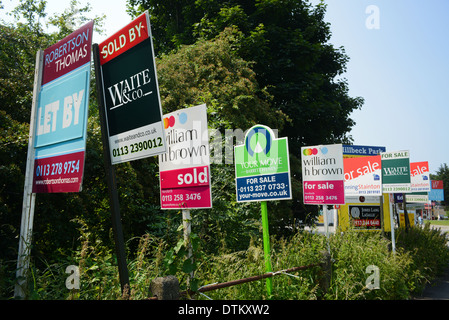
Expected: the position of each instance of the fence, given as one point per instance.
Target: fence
(167, 288)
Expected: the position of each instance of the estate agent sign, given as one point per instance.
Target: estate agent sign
(396, 172)
(436, 190)
(262, 166)
(323, 174)
(61, 116)
(131, 92)
(363, 176)
(184, 170)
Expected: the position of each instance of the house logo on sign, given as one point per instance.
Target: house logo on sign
(258, 140)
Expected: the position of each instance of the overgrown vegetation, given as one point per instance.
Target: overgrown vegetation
(421, 255)
(243, 61)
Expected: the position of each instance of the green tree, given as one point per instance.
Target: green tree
(211, 72)
(287, 40)
(19, 42)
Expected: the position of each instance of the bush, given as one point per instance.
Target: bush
(355, 255)
(428, 249)
(302, 249)
(421, 255)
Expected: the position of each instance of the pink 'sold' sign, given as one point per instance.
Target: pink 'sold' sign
(185, 188)
(184, 171)
(68, 54)
(188, 177)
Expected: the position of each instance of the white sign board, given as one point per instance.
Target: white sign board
(323, 174)
(185, 167)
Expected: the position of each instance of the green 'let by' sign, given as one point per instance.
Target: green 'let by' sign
(261, 153)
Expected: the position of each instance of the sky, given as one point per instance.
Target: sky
(398, 62)
(115, 11)
(398, 51)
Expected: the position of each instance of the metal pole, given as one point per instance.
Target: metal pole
(110, 177)
(266, 245)
(26, 226)
(267, 276)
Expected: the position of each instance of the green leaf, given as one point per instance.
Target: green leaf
(179, 245)
(194, 284)
(169, 258)
(188, 266)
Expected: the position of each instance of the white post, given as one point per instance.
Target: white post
(335, 220)
(186, 225)
(326, 222)
(187, 230)
(393, 241)
(26, 226)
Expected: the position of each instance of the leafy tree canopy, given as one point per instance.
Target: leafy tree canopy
(288, 42)
(19, 42)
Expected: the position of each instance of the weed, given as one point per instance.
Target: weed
(421, 255)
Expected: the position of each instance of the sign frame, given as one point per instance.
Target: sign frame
(262, 172)
(436, 190)
(185, 183)
(61, 114)
(363, 176)
(323, 185)
(131, 95)
(419, 172)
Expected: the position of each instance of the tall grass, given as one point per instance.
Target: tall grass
(429, 251)
(421, 254)
(302, 249)
(354, 251)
